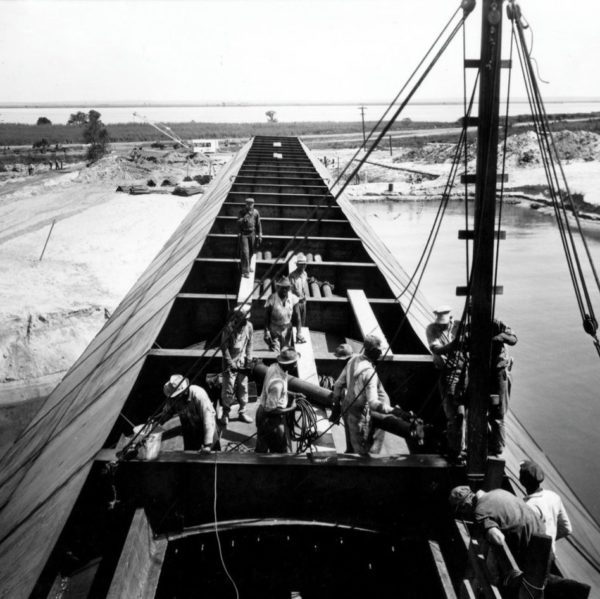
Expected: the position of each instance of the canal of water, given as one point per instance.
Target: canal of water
(557, 370)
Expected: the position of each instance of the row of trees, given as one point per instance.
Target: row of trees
(95, 132)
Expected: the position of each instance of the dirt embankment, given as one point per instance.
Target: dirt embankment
(100, 243)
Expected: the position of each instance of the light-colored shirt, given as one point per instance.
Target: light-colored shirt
(437, 338)
(274, 393)
(299, 280)
(237, 345)
(362, 384)
(550, 507)
(198, 415)
(281, 311)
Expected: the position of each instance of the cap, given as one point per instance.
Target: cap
(176, 385)
(249, 200)
(343, 351)
(300, 258)
(442, 314)
(530, 472)
(283, 282)
(288, 356)
(459, 496)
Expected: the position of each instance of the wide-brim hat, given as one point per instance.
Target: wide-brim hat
(442, 314)
(283, 282)
(288, 356)
(176, 385)
(343, 350)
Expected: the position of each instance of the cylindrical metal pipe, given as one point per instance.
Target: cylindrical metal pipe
(266, 288)
(327, 289)
(259, 255)
(318, 258)
(314, 290)
(268, 255)
(313, 393)
(309, 257)
(323, 397)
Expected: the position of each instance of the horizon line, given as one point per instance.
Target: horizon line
(226, 104)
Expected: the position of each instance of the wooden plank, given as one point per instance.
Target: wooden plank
(442, 571)
(408, 359)
(466, 590)
(365, 317)
(307, 371)
(138, 570)
(482, 576)
(494, 474)
(247, 283)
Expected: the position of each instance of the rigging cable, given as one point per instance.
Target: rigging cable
(503, 171)
(551, 158)
(306, 222)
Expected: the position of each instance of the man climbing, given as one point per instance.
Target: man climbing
(279, 309)
(196, 413)
(236, 347)
(441, 337)
(275, 403)
(500, 386)
(250, 235)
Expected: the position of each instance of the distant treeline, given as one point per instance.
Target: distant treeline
(20, 134)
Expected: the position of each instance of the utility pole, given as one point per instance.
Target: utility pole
(482, 278)
(362, 114)
(391, 146)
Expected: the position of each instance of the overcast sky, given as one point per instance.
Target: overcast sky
(265, 50)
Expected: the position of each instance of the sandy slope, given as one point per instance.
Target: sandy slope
(51, 309)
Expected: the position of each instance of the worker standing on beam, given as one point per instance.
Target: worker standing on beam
(362, 396)
(236, 347)
(250, 235)
(275, 403)
(299, 284)
(279, 309)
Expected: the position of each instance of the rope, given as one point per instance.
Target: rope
(552, 167)
(397, 97)
(503, 171)
(290, 244)
(237, 592)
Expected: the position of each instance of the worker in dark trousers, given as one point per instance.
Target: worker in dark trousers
(250, 235)
(275, 402)
(236, 347)
(442, 340)
(500, 386)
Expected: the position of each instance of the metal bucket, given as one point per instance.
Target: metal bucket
(150, 446)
